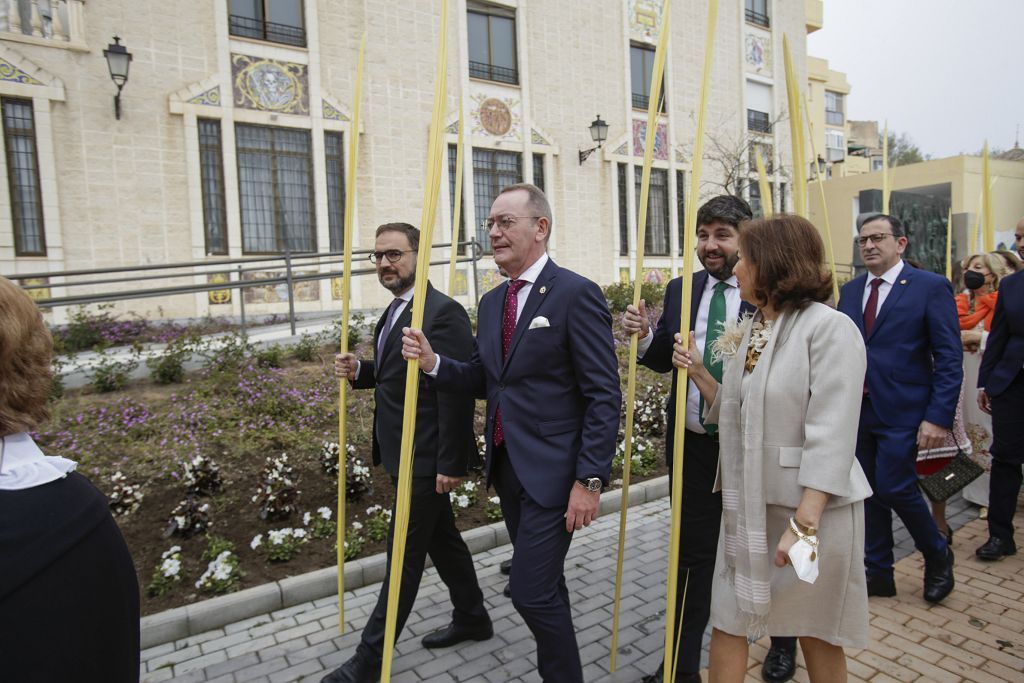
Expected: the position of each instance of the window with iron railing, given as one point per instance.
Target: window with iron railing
(758, 121)
(623, 212)
(656, 234)
(834, 115)
(757, 12)
(767, 156)
(334, 154)
(211, 167)
(275, 188)
(492, 170)
(453, 167)
(276, 21)
(492, 43)
(538, 171)
(641, 70)
(681, 210)
(23, 177)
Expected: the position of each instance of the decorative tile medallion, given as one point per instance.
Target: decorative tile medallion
(496, 116)
(11, 73)
(270, 85)
(645, 18)
(218, 296)
(757, 51)
(660, 140)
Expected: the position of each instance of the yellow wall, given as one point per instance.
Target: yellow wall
(962, 172)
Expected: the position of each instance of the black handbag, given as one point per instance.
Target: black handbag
(958, 473)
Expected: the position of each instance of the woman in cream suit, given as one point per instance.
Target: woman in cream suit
(791, 559)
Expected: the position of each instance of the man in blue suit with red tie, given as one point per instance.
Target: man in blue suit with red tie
(545, 361)
(915, 367)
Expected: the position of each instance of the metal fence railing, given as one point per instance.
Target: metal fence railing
(132, 282)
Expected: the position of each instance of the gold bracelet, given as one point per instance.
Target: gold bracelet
(809, 539)
(805, 528)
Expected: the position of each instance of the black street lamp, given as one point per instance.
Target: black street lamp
(118, 59)
(598, 133)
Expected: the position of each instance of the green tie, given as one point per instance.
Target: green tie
(716, 320)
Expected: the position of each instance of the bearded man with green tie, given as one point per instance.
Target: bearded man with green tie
(716, 300)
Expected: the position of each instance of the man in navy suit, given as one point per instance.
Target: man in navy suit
(545, 361)
(718, 226)
(445, 448)
(915, 367)
(1001, 393)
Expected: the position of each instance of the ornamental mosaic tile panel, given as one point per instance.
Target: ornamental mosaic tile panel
(270, 85)
(537, 139)
(218, 296)
(11, 73)
(332, 113)
(307, 290)
(660, 140)
(644, 19)
(757, 52)
(210, 98)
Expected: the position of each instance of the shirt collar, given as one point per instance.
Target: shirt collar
(531, 274)
(890, 275)
(712, 281)
(406, 296)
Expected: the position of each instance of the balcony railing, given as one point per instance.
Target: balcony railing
(755, 17)
(44, 22)
(644, 101)
(758, 121)
(249, 27)
(834, 118)
(492, 72)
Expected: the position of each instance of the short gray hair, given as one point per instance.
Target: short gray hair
(537, 201)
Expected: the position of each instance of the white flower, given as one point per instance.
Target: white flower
(170, 567)
(357, 526)
(257, 540)
(324, 512)
(462, 501)
(495, 500)
(373, 509)
(276, 536)
(299, 533)
(469, 486)
(306, 517)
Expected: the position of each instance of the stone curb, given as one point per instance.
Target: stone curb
(190, 620)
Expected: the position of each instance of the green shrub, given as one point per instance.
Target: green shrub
(620, 295)
(271, 356)
(307, 348)
(111, 374)
(169, 366)
(227, 353)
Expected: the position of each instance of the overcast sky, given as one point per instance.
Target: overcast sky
(947, 72)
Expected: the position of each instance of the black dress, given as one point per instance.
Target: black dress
(69, 595)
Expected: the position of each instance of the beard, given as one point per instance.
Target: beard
(399, 284)
(723, 272)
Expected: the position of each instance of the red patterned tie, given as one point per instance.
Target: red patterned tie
(871, 309)
(508, 328)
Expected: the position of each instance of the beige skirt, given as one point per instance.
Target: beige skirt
(834, 608)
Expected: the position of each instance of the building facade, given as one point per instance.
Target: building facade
(236, 120)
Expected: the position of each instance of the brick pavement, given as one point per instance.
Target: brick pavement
(975, 635)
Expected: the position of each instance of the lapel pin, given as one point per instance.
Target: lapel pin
(543, 289)
(903, 282)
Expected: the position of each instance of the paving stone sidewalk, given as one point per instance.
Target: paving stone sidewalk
(974, 635)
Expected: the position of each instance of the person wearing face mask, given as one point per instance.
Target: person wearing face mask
(976, 307)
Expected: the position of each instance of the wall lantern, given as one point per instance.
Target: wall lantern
(118, 60)
(598, 133)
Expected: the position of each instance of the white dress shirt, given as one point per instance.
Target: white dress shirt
(529, 276)
(700, 332)
(888, 280)
(405, 298)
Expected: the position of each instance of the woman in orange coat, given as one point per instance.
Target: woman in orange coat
(982, 273)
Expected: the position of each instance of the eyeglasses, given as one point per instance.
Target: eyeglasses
(392, 255)
(875, 239)
(504, 222)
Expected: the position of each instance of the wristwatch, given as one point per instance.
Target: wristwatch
(592, 484)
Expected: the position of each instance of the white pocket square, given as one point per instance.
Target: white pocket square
(539, 321)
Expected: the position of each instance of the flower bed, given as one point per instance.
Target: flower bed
(229, 478)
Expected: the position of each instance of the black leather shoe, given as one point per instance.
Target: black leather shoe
(779, 664)
(996, 549)
(454, 633)
(359, 669)
(507, 590)
(881, 587)
(506, 567)
(938, 578)
(658, 677)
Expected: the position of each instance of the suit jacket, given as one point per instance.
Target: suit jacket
(659, 353)
(915, 358)
(444, 442)
(558, 389)
(797, 415)
(1004, 351)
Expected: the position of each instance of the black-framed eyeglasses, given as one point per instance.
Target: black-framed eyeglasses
(504, 222)
(875, 239)
(392, 255)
